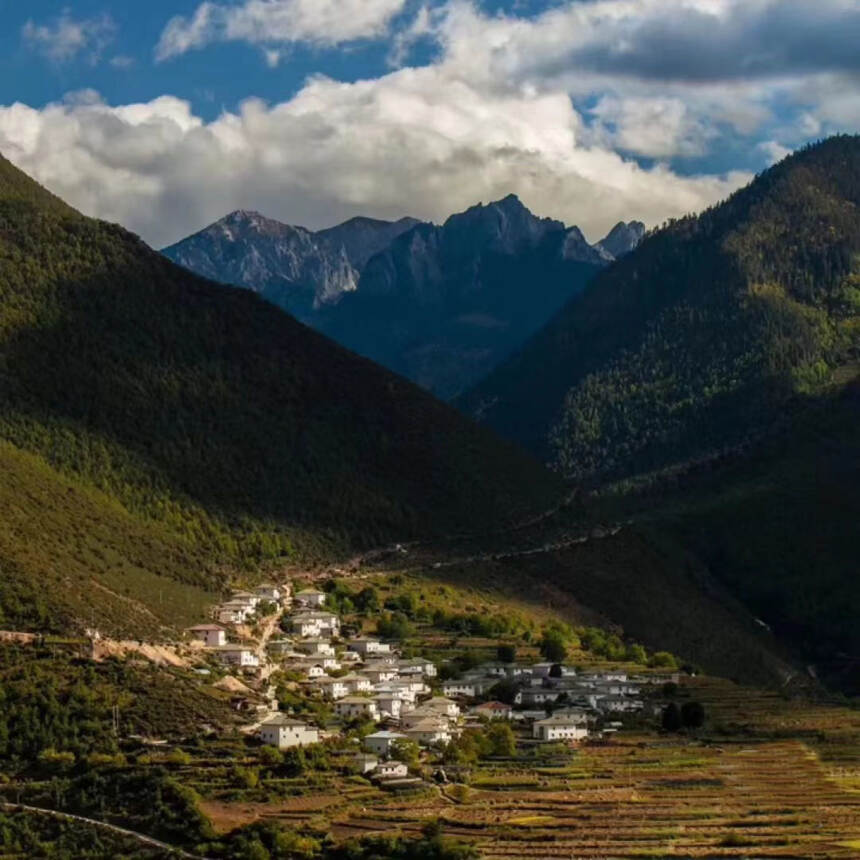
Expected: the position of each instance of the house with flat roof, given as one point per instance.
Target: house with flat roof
(268, 591)
(366, 645)
(382, 742)
(211, 635)
(238, 655)
(283, 732)
(561, 727)
(331, 688)
(391, 770)
(356, 707)
(429, 731)
(493, 711)
(310, 597)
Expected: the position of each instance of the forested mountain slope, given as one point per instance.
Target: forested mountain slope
(214, 417)
(696, 340)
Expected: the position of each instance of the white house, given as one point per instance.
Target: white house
(310, 597)
(365, 762)
(469, 687)
(616, 704)
(414, 685)
(356, 707)
(417, 667)
(316, 645)
(234, 613)
(405, 694)
(561, 727)
(493, 711)
(388, 704)
(379, 674)
(313, 670)
(443, 706)
(332, 688)
(211, 635)
(429, 731)
(267, 591)
(536, 696)
(391, 770)
(238, 655)
(248, 598)
(284, 732)
(365, 645)
(420, 715)
(328, 662)
(381, 743)
(356, 683)
(315, 624)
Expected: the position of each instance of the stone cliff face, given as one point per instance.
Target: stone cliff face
(439, 304)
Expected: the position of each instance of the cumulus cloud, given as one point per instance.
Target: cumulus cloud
(66, 38)
(271, 22)
(541, 106)
(413, 142)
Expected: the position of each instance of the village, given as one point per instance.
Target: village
(400, 701)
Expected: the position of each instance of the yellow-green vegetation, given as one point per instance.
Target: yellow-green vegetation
(71, 556)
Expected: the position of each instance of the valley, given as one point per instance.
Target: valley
(239, 561)
(772, 773)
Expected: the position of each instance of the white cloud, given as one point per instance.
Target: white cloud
(272, 22)
(539, 106)
(65, 37)
(415, 141)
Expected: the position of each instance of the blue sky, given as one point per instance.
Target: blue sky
(164, 115)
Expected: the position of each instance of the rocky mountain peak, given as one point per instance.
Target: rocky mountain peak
(622, 238)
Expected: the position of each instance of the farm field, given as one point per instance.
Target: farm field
(771, 778)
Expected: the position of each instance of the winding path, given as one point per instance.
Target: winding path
(112, 828)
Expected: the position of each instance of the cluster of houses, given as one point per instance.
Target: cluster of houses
(552, 684)
(239, 610)
(365, 679)
(243, 605)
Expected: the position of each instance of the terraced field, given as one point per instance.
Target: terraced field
(773, 777)
(645, 798)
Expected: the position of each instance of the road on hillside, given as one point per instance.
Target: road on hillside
(93, 822)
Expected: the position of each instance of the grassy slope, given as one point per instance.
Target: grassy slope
(217, 427)
(70, 556)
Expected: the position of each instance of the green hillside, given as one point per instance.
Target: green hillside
(204, 423)
(707, 384)
(696, 341)
(778, 525)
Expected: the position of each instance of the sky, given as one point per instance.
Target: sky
(165, 115)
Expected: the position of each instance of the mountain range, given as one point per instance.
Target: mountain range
(441, 305)
(161, 434)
